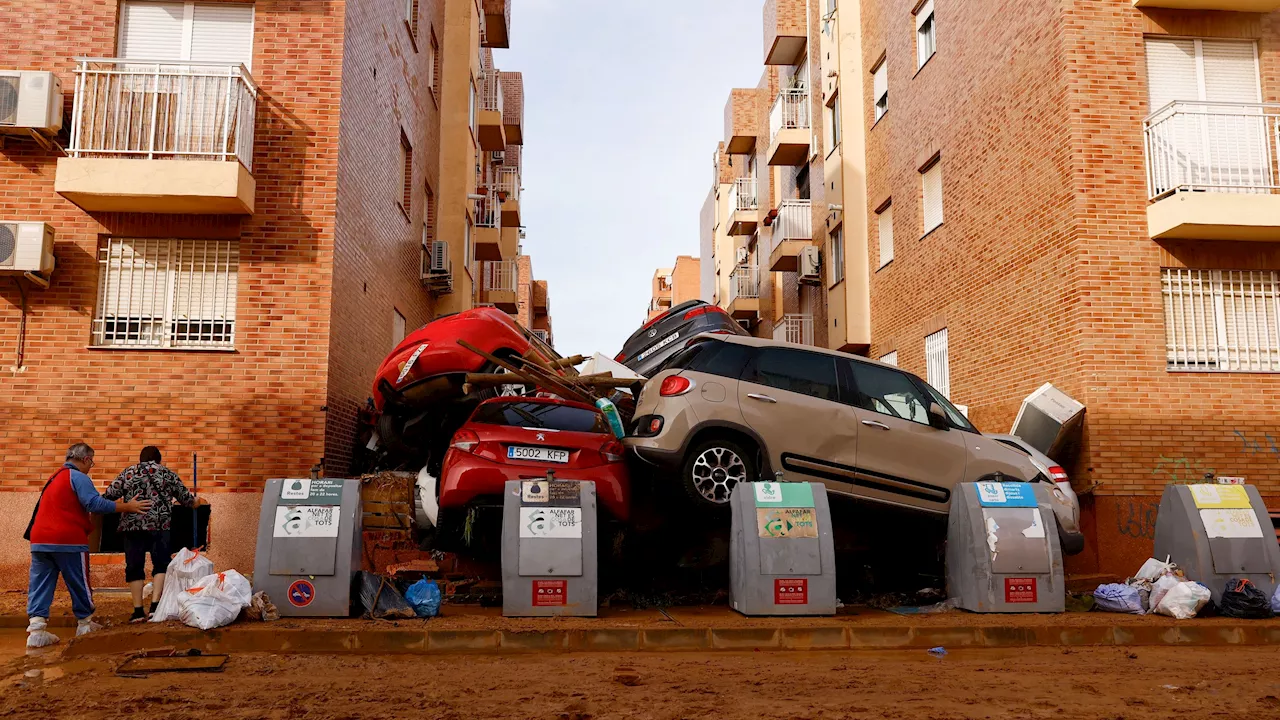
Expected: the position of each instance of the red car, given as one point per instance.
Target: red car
(521, 438)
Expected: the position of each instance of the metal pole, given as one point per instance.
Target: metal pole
(195, 511)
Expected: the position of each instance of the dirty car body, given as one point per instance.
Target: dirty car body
(1066, 505)
(665, 335)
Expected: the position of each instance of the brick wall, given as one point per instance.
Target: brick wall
(685, 280)
(524, 290)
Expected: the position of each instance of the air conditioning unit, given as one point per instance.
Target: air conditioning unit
(440, 257)
(742, 255)
(810, 264)
(30, 100)
(498, 156)
(26, 247)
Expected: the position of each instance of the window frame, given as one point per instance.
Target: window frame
(412, 12)
(750, 369)
(188, 29)
(938, 360)
(1210, 313)
(926, 33)
(884, 214)
(405, 201)
(934, 165)
(433, 68)
(853, 396)
(880, 70)
(833, 120)
(835, 255)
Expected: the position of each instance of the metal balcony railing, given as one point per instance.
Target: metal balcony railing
(500, 275)
(1217, 147)
(744, 282)
(794, 329)
(488, 211)
(742, 196)
(790, 111)
(165, 110)
(490, 91)
(794, 221)
(508, 182)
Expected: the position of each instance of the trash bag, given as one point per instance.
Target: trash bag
(1152, 569)
(1162, 586)
(215, 600)
(424, 596)
(1118, 597)
(261, 608)
(1275, 600)
(186, 568)
(1183, 600)
(380, 598)
(1243, 599)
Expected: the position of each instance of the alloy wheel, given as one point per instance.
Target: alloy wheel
(716, 471)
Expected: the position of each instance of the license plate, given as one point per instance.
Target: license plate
(661, 344)
(537, 454)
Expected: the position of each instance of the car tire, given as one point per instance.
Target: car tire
(713, 468)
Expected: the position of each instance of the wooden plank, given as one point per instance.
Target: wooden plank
(175, 663)
(534, 374)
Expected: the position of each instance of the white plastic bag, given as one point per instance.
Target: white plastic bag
(1162, 586)
(1152, 569)
(187, 567)
(215, 601)
(1275, 601)
(38, 634)
(1184, 600)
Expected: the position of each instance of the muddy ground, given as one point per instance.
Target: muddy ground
(1032, 683)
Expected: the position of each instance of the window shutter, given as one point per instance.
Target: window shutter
(880, 80)
(223, 33)
(937, 364)
(885, 222)
(1230, 71)
(151, 30)
(931, 181)
(1171, 71)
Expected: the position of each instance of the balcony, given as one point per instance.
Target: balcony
(744, 208)
(789, 131)
(784, 31)
(499, 285)
(489, 128)
(796, 329)
(741, 121)
(153, 137)
(507, 184)
(488, 227)
(792, 232)
(1211, 171)
(1249, 6)
(495, 24)
(744, 293)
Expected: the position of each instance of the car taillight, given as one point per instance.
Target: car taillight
(701, 310)
(655, 425)
(613, 451)
(1058, 475)
(621, 357)
(674, 385)
(465, 440)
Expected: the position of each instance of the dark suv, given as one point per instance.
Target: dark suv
(660, 338)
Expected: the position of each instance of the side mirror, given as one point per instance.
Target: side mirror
(938, 417)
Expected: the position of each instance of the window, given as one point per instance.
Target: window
(880, 88)
(713, 357)
(811, 374)
(890, 358)
(541, 416)
(931, 196)
(429, 217)
(802, 182)
(884, 228)
(937, 364)
(433, 64)
(406, 169)
(957, 414)
(466, 246)
(411, 20)
(836, 255)
(833, 123)
(888, 392)
(397, 328)
(198, 31)
(1221, 319)
(1204, 70)
(472, 109)
(926, 34)
(162, 293)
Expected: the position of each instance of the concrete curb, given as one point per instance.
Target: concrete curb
(295, 640)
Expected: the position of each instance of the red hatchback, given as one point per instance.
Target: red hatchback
(521, 438)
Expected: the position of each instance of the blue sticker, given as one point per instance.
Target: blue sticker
(1006, 494)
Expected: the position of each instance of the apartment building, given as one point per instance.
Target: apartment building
(228, 212)
(674, 285)
(533, 301)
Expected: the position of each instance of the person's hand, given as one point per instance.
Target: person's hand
(134, 506)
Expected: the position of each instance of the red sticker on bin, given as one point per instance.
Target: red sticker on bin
(550, 593)
(791, 591)
(1020, 590)
(301, 593)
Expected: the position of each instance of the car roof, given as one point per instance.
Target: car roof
(754, 341)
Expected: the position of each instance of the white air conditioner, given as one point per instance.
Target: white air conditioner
(742, 255)
(30, 100)
(26, 247)
(440, 257)
(498, 156)
(810, 264)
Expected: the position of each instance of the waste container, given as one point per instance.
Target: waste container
(782, 557)
(549, 565)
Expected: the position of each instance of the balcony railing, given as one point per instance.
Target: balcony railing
(790, 111)
(1217, 147)
(163, 110)
(508, 182)
(490, 91)
(794, 329)
(488, 211)
(744, 282)
(742, 196)
(500, 275)
(794, 221)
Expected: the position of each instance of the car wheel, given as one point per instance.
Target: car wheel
(713, 468)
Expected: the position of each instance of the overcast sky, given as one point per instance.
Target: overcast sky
(624, 104)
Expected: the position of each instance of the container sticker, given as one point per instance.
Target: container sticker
(1006, 494)
(324, 491)
(566, 493)
(551, 522)
(1230, 480)
(550, 593)
(787, 522)
(297, 489)
(788, 494)
(1020, 590)
(534, 491)
(306, 521)
(791, 591)
(301, 593)
(1231, 523)
(1036, 530)
(1231, 497)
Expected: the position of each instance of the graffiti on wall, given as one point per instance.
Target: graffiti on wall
(1137, 519)
(1172, 470)
(1254, 445)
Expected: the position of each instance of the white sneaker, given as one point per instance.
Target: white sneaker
(37, 634)
(87, 626)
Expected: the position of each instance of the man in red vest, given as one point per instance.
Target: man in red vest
(59, 535)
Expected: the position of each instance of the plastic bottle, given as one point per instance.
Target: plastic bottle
(611, 414)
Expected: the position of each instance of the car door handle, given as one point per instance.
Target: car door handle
(764, 398)
(873, 423)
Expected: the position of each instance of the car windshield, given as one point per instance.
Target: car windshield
(541, 416)
(957, 418)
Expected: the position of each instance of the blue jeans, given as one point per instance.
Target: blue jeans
(45, 568)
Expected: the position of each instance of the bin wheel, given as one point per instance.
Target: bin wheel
(713, 468)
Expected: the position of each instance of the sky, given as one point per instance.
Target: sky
(624, 105)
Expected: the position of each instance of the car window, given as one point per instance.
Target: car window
(681, 360)
(888, 392)
(953, 413)
(542, 416)
(812, 374)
